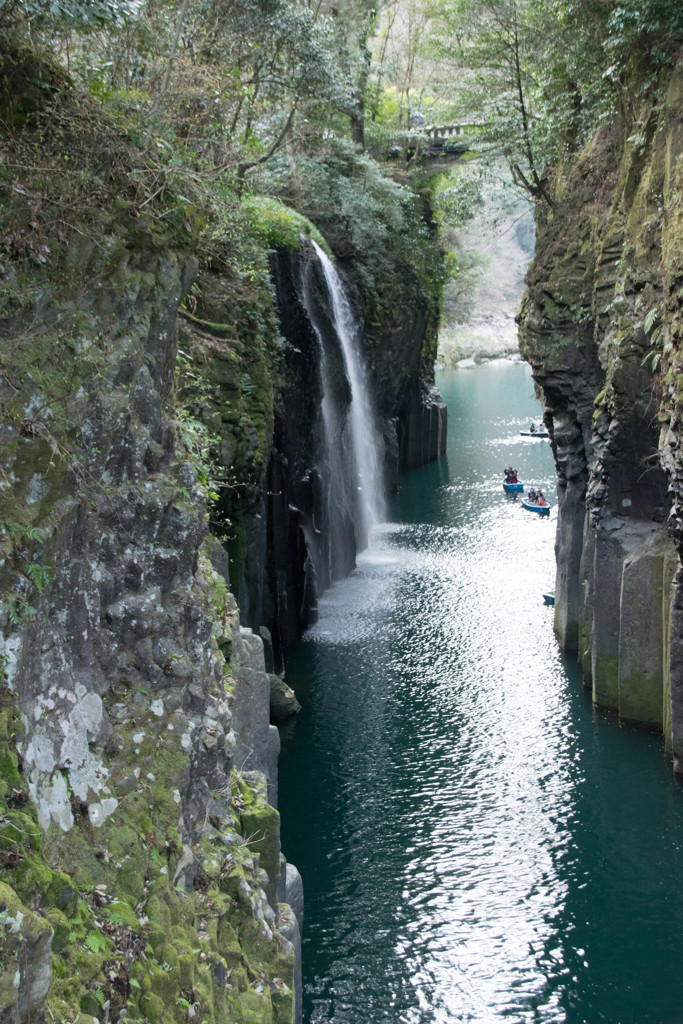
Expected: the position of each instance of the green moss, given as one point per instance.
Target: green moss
(279, 226)
(260, 825)
(217, 329)
(606, 680)
(61, 928)
(120, 912)
(153, 1007)
(640, 699)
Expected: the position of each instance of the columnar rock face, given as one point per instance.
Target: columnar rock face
(422, 431)
(158, 387)
(141, 866)
(601, 327)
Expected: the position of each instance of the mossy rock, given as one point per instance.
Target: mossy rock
(283, 702)
(25, 953)
(60, 927)
(120, 912)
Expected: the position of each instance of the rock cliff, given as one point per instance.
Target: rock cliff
(601, 327)
(141, 859)
(291, 531)
(156, 392)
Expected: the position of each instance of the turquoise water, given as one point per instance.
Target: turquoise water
(477, 843)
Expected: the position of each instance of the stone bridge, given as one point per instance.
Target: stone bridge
(436, 147)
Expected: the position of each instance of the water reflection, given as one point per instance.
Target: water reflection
(475, 844)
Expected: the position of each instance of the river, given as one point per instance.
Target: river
(477, 843)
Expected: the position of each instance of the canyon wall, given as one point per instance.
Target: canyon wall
(141, 862)
(601, 326)
(160, 401)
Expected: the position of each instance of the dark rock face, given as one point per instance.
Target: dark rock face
(422, 428)
(601, 328)
(135, 711)
(311, 514)
(311, 520)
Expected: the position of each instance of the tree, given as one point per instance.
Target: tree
(538, 75)
(20, 14)
(492, 45)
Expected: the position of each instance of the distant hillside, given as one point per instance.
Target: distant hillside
(481, 304)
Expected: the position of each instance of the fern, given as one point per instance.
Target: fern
(40, 575)
(650, 318)
(95, 942)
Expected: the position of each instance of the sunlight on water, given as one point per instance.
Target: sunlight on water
(463, 822)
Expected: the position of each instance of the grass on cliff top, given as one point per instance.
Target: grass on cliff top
(279, 226)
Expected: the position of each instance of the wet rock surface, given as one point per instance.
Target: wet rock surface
(141, 855)
(600, 325)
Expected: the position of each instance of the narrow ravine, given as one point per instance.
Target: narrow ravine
(476, 842)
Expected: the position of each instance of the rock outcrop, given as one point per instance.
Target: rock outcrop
(141, 867)
(601, 327)
(153, 396)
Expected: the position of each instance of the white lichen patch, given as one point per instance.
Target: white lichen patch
(43, 705)
(8, 479)
(34, 406)
(51, 797)
(99, 812)
(37, 489)
(60, 742)
(10, 651)
(11, 923)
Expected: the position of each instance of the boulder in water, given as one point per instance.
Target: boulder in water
(283, 703)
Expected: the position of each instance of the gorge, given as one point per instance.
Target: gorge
(480, 843)
(221, 279)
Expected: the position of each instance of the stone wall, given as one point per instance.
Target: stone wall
(601, 327)
(141, 872)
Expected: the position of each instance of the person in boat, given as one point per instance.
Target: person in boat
(531, 496)
(511, 476)
(532, 428)
(540, 500)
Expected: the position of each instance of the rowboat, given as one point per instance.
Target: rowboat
(541, 510)
(549, 599)
(534, 433)
(513, 488)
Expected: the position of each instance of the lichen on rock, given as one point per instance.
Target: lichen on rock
(137, 887)
(600, 327)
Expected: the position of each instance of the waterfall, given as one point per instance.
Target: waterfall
(325, 478)
(360, 429)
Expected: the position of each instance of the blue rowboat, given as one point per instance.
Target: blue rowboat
(534, 433)
(513, 488)
(541, 510)
(549, 599)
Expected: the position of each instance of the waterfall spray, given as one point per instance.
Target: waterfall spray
(364, 437)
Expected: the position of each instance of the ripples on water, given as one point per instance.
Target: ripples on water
(475, 844)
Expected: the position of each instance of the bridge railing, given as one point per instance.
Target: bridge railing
(443, 131)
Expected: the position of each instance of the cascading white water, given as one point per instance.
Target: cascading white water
(361, 419)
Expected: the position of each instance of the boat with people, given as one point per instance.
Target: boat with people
(535, 502)
(534, 431)
(533, 506)
(512, 484)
